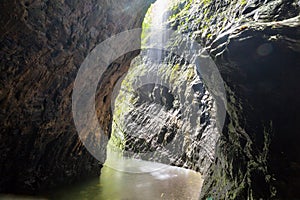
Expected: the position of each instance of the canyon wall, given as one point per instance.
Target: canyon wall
(255, 45)
(43, 44)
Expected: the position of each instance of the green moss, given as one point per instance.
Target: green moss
(176, 67)
(146, 25)
(190, 74)
(116, 140)
(243, 2)
(124, 103)
(206, 2)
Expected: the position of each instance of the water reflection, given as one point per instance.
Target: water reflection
(166, 183)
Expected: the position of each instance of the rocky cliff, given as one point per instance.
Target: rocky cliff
(255, 45)
(43, 44)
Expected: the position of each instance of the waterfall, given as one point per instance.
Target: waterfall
(154, 36)
(164, 111)
(155, 31)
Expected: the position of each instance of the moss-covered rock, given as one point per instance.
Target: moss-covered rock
(255, 45)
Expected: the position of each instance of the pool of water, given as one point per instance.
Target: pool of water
(131, 179)
(164, 183)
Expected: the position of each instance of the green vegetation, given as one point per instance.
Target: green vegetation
(206, 2)
(146, 26)
(243, 2)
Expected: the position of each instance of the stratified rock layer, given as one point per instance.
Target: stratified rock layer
(43, 44)
(164, 113)
(256, 46)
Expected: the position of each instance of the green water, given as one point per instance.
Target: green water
(163, 183)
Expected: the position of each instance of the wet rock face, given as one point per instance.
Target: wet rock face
(256, 47)
(43, 44)
(164, 113)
